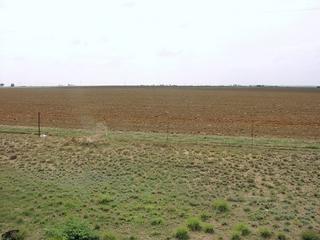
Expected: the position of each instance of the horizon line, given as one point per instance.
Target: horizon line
(163, 85)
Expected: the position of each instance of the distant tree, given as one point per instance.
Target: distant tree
(12, 85)
(1, 84)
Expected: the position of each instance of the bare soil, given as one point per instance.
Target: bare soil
(277, 112)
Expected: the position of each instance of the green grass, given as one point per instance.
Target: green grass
(109, 236)
(310, 235)
(235, 236)
(286, 143)
(194, 224)
(207, 227)
(281, 236)
(72, 230)
(265, 232)
(242, 228)
(142, 186)
(182, 233)
(221, 205)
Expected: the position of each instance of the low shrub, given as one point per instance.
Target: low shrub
(235, 236)
(182, 233)
(194, 224)
(310, 235)
(109, 236)
(281, 236)
(265, 232)
(72, 230)
(204, 216)
(132, 238)
(207, 228)
(221, 205)
(156, 221)
(242, 228)
(105, 199)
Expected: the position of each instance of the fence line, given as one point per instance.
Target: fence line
(253, 139)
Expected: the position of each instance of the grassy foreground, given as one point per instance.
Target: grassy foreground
(147, 186)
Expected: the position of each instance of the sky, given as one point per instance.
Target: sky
(147, 42)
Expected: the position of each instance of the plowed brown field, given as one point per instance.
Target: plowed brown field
(278, 112)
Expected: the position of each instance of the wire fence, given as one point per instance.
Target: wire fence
(168, 135)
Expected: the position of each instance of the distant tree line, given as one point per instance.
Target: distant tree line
(2, 85)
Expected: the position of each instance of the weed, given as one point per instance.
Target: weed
(221, 205)
(108, 236)
(194, 224)
(131, 238)
(207, 228)
(157, 221)
(281, 236)
(204, 216)
(105, 199)
(235, 236)
(73, 230)
(243, 229)
(182, 233)
(310, 235)
(265, 232)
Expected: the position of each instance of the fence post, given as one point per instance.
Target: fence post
(39, 130)
(167, 138)
(252, 132)
(167, 130)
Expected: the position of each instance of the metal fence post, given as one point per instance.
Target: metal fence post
(39, 119)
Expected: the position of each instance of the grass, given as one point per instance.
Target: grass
(221, 205)
(182, 233)
(265, 232)
(194, 224)
(142, 186)
(281, 143)
(204, 216)
(310, 235)
(207, 228)
(157, 221)
(242, 228)
(105, 199)
(109, 236)
(235, 236)
(73, 230)
(281, 236)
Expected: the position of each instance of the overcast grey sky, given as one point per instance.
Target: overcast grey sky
(187, 42)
